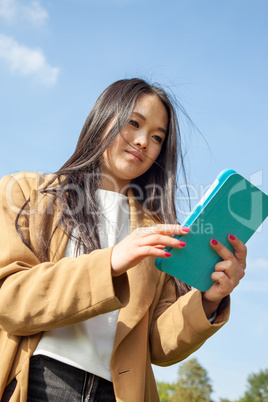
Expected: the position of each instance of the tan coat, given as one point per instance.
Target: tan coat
(153, 327)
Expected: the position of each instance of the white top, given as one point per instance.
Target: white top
(89, 345)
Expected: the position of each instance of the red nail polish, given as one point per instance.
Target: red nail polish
(214, 242)
(182, 244)
(232, 237)
(167, 254)
(185, 229)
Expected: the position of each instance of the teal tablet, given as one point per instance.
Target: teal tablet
(232, 205)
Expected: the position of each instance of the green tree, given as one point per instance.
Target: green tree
(193, 385)
(165, 390)
(257, 388)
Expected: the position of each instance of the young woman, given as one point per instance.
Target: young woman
(83, 310)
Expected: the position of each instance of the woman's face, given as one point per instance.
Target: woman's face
(134, 152)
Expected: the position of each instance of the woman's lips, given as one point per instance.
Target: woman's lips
(136, 155)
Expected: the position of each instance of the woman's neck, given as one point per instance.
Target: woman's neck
(109, 184)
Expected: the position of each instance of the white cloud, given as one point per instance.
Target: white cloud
(256, 278)
(8, 10)
(26, 61)
(259, 263)
(253, 286)
(118, 3)
(12, 11)
(35, 13)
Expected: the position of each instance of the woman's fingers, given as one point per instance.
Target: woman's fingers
(160, 236)
(239, 247)
(240, 250)
(220, 249)
(161, 240)
(222, 279)
(165, 229)
(144, 242)
(228, 272)
(232, 270)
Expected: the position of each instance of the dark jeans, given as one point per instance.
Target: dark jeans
(53, 381)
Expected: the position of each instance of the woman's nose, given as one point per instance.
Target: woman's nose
(141, 142)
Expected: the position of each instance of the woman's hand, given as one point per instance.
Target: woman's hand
(144, 242)
(227, 273)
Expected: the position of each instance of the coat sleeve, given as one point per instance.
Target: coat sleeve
(37, 296)
(179, 326)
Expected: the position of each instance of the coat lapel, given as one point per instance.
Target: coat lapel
(42, 205)
(143, 279)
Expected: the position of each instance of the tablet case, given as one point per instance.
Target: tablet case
(232, 205)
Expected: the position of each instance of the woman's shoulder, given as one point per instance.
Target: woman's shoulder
(31, 179)
(28, 181)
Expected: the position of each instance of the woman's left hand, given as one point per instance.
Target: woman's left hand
(227, 273)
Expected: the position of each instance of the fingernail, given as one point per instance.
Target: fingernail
(232, 237)
(214, 242)
(185, 229)
(167, 254)
(182, 244)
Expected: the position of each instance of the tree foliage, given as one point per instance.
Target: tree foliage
(257, 388)
(165, 391)
(193, 385)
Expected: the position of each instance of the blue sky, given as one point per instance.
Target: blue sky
(57, 56)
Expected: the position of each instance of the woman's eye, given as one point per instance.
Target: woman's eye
(158, 138)
(134, 123)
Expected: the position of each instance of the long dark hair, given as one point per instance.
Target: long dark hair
(79, 177)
